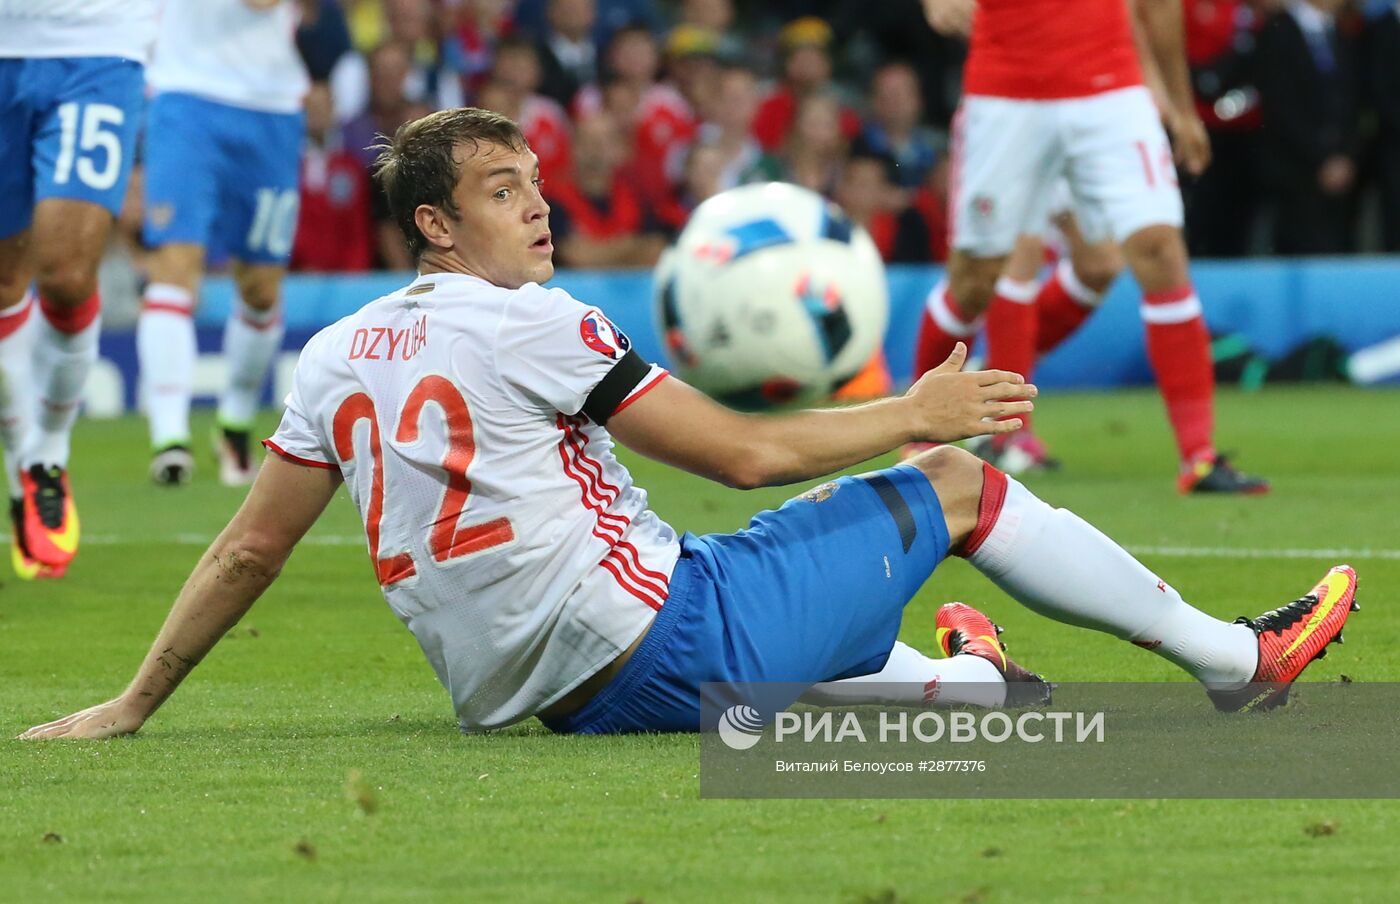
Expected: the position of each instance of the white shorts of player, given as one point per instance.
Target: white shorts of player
(1009, 155)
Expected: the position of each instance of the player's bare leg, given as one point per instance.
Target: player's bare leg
(953, 313)
(1178, 346)
(67, 238)
(252, 339)
(166, 351)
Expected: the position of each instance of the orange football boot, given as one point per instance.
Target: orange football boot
(48, 520)
(1290, 638)
(26, 568)
(964, 630)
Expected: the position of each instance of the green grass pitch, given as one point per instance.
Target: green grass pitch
(313, 757)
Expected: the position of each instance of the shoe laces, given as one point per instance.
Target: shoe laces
(1284, 617)
(50, 498)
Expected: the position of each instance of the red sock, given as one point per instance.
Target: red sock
(1011, 330)
(1064, 303)
(942, 327)
(1178, 346)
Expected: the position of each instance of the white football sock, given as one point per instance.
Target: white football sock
(910, 678)
(252, 339)
(62, 360)
(16, 396)
(166, 349)
(1054, 562)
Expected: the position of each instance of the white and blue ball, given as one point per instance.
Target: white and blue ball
(770, 295)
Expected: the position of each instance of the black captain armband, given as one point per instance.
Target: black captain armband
(625, 376)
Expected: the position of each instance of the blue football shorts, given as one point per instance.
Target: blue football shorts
(223, 177)
(67, 130)
(812, 592)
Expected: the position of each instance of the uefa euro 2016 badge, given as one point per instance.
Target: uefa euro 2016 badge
(599, 334)
(820, 493)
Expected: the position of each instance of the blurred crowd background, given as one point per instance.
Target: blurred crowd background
(641, 109)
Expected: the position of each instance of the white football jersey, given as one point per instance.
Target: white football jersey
(504, 533)
(226, 51)
(77, 28)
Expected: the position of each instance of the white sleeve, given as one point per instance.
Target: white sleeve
(297, 438)
(556, 351)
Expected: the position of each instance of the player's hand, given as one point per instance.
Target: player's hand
(1190, 143)
(951, 18)
(953, 405)
(105, 720)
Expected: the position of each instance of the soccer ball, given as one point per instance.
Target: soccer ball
(770, 295)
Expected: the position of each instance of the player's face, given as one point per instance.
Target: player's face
(503, 234)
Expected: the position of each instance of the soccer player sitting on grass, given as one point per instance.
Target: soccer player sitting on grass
(472, 414)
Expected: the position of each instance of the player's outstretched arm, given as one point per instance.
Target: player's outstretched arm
(680, 426)
(284, 502)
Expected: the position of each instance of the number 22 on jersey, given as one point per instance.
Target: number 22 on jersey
(446, 540)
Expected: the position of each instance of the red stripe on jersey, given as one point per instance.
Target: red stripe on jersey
(597, 499)
(637, 558)
(629, 567)
(637, 394)
(576, 449)
(588, 502)
(628, 554)
(622, 560)
(589, 496)
(297, 459)
(594, 466)
(589, 465)
(612, 569)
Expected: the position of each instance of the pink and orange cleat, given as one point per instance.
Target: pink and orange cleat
(26, 567)
(47, 520)
(962, 630)
(1292, 637)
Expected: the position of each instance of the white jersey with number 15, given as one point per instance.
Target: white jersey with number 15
(504, 533)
